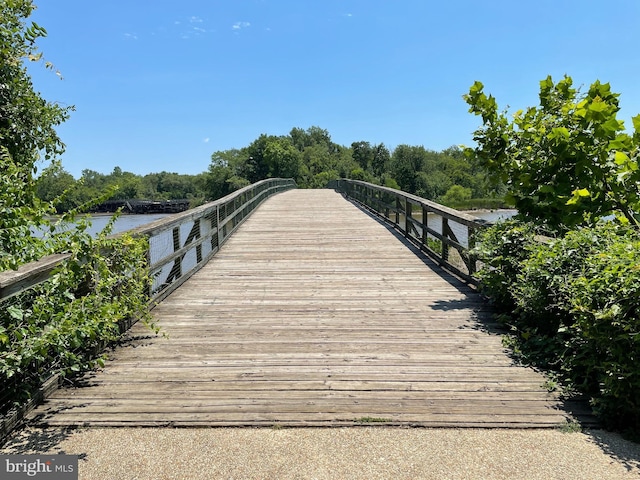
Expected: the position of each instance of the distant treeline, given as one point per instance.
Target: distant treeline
(125, 186)
(309, 156)
(142, 206)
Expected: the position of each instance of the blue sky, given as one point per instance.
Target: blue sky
(160, 85)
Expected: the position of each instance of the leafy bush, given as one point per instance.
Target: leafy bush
(573, 304)
(567, 162)
(603, 343)
(456, 195)
(502, 249)
(60, 326)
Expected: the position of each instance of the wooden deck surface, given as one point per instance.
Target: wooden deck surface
(313, 313)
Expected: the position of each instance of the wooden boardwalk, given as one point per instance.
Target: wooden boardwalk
(313, 313)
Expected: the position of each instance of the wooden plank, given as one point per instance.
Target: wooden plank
(13, 282)
(314, 313)
(16, 415)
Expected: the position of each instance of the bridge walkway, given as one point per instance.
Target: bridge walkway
(313, 313)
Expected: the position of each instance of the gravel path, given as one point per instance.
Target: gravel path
(336, 453)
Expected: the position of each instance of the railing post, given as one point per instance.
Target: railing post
(471, 240)
(218, 226)
(407, 217)
(198, 234)
(445, 235)
(425, 224)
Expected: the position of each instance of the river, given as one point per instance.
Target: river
(127, 222)
(123, 222)
(491, 215)
(435, 221)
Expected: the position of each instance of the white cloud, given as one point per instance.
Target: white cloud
(206, 140)
(195, 19)
(240, 25)
(131, 36)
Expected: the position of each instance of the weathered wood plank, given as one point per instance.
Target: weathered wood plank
(314, 313)
(13, 282)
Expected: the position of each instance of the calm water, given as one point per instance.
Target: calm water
(492, 215)
(460, 231)
(124, 222)
(127, 222)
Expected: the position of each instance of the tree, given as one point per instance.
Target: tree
(406, 162)
(456, 195)
(363, 154)
(54, 185)
(380, 160)
(225, 173)
(282, 158)
(27, 133)
(566, 162)
(432, 185)
(129, 185)
(57, 326)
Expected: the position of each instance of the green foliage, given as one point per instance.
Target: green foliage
(282, 159)
(54, 186)
(502, 249)
(593, 281)
(390, 182)
(430, 174)
(312, 159)
(27, 132)
(54, 183)
(455, 196)
(432, 185)
(570, 427)
(406, 162)
(484, 204)
(371, 158)
(60, 325)
(567, 162)
(573, 302)
(574, 307)
(309, 156)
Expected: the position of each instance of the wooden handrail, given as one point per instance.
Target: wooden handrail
(13, 282)
(173, 256)
(181, 244)
(410, 215)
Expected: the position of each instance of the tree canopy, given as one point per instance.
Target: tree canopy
(571, 302)
(313, 159)
(565, 163)
(27, 133)
(308, 156)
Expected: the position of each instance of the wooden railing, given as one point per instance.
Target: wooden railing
(446, 234)
(179, 244)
